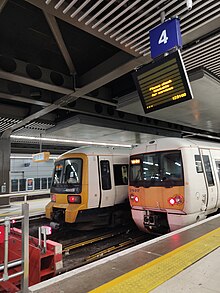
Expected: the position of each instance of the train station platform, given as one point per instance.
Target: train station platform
(37, 201)
(184, 260)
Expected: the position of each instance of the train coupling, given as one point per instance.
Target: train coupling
(54, 225)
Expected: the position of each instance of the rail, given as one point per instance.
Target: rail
(24, 261)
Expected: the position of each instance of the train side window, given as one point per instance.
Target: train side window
(121, 174)
(198, 162)
(105, 175)
(208, 170)
(218, 168)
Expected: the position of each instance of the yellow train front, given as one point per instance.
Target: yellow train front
(89, 188)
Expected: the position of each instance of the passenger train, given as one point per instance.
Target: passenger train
(90, 188)
(174, 182)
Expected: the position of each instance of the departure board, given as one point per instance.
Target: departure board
(163, 83)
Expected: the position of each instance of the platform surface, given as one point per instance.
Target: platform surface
(131, 270)
(36, 207)
(201, 277)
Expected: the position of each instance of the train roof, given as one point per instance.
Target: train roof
(169, 143)
(98, 150)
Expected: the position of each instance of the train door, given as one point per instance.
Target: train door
(107, 187)
(210, 180)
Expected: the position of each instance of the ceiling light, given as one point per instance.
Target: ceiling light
(52, 157)
(69, 141)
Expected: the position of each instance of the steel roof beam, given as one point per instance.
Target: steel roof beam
(29, 119)
(89, 82)
(65, 16)
(2, 4)
(60, 42)
(110, 123)
(106, 67)
(21, 99)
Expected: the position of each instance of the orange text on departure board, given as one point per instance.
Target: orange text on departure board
(161, 88)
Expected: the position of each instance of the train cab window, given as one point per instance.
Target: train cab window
(157, 169)
(135, 172)
(105, 175)
(72, 171)
(172, 166)
(198, 162)
(120, 174)
(208, 170)
(151, 170)
(218, 168)
(58, 171)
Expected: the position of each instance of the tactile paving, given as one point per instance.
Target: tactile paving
(153, 274)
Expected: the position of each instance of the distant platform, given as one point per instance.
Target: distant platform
(8, 198)
(29, 195)
(36, 203)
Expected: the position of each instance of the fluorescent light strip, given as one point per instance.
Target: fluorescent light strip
(70, 141)
(52, 157)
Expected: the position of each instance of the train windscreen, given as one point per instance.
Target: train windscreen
(157, 169)
(67, 174)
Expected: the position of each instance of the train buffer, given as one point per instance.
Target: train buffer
(43, 263)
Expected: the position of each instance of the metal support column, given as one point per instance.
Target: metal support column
(25, 247)
(5, 152)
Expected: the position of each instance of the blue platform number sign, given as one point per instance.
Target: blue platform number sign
(165, 37)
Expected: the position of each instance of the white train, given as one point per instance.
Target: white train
(174, 182)
(90, 187)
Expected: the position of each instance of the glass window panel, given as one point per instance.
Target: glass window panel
(22, 184)
(43, 183)
(208, 170)
(121, 174)
(151, 169)
(14, 185)
(58, 172)
(36, 183)
(49, 179)
(105, 175)
(72, 171)
(198, 162)
(172, 166)
(157, 169)
(218, 168)
(135, 173)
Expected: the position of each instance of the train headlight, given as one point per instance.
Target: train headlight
(74, 198)
(53, 197)
(178, 199)
(172, 201)
(134, 197)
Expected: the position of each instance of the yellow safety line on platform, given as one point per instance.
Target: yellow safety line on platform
(158, 271)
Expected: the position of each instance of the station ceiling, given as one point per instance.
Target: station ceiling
(65, 71)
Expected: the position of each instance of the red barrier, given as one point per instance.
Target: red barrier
(42, 266)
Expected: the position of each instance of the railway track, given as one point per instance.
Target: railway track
(83, 252)
(115, 248)
(68, 248)
(83, 247)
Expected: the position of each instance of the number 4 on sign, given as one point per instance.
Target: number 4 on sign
(163, 38)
